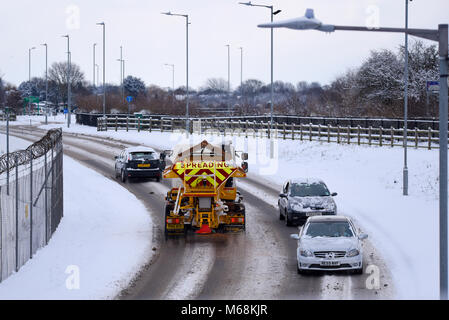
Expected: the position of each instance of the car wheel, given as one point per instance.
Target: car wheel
(287, 220)
(116, 173)
(123, 176)
(158, 179)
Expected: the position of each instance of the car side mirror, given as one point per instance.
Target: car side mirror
(162, 156)
(334, 194)
(363, 236)
(294, 236)
(244, 156)
(116, 157)
(282, 195)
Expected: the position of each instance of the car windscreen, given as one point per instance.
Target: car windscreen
(329, 229)
(143, 156)
(309, 190)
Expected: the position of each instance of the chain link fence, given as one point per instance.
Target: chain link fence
(31, 200)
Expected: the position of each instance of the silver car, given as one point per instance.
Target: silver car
(329, 243)
(303, 198)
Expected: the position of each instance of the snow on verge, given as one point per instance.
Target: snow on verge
(105, 234)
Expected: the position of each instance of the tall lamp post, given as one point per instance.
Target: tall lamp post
(273, 13)
(186, 16)
(104, 67)
(29, 78)
(308, 22)
(405, 140)
(69, 89)
(46, 82)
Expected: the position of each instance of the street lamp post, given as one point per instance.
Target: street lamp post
(121, 73)
(186, 16)
(308, 22)
(29, 78)
(104, 67)
(98, 72)
(46, 82)
(273, 13)
(405, 140)
(69, 89)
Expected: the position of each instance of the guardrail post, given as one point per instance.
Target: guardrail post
(319, 132)
(172, 125)
(285, 132)
(293, 131)
(255, 128)
(300, 131)
(116, 123)
(138, 125)
(127, 123)
(328, 133)
(150, 124)
(162, 124)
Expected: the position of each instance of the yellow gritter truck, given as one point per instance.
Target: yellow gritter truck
(205, 198)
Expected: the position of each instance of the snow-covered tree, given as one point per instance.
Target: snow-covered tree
(134, 86)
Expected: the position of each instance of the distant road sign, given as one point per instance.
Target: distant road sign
(433, 86)
(129, 98)
(66, 110)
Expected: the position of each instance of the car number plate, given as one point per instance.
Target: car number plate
(175, 226)
(311, 214)
(327, 263)
(143, 165)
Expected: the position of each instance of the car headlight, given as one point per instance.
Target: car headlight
(296, 206)
(306, 253)
(353, 253)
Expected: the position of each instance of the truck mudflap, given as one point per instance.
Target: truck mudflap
(174, 226)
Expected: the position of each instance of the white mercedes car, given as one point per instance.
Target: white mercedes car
(329, 243)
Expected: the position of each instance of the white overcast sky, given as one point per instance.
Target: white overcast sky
(150, 39)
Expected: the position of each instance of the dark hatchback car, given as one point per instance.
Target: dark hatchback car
(139, 162)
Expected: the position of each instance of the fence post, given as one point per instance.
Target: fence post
(416, 138)
(380, 136)
(16, 159)
(293, 131)
(172, 125)
(127, 123)
(392, 136)
(116, 123)
(370, 129)
(31, 204)
(284, 131)
(349, 134)
(255, 127)
(310, 131)
(300, 131)
(338, 134)
(138, 125)
(162, 124)
(328, 133)
(358, 134)
(150, 123)
(319, 132)
(429, 134)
